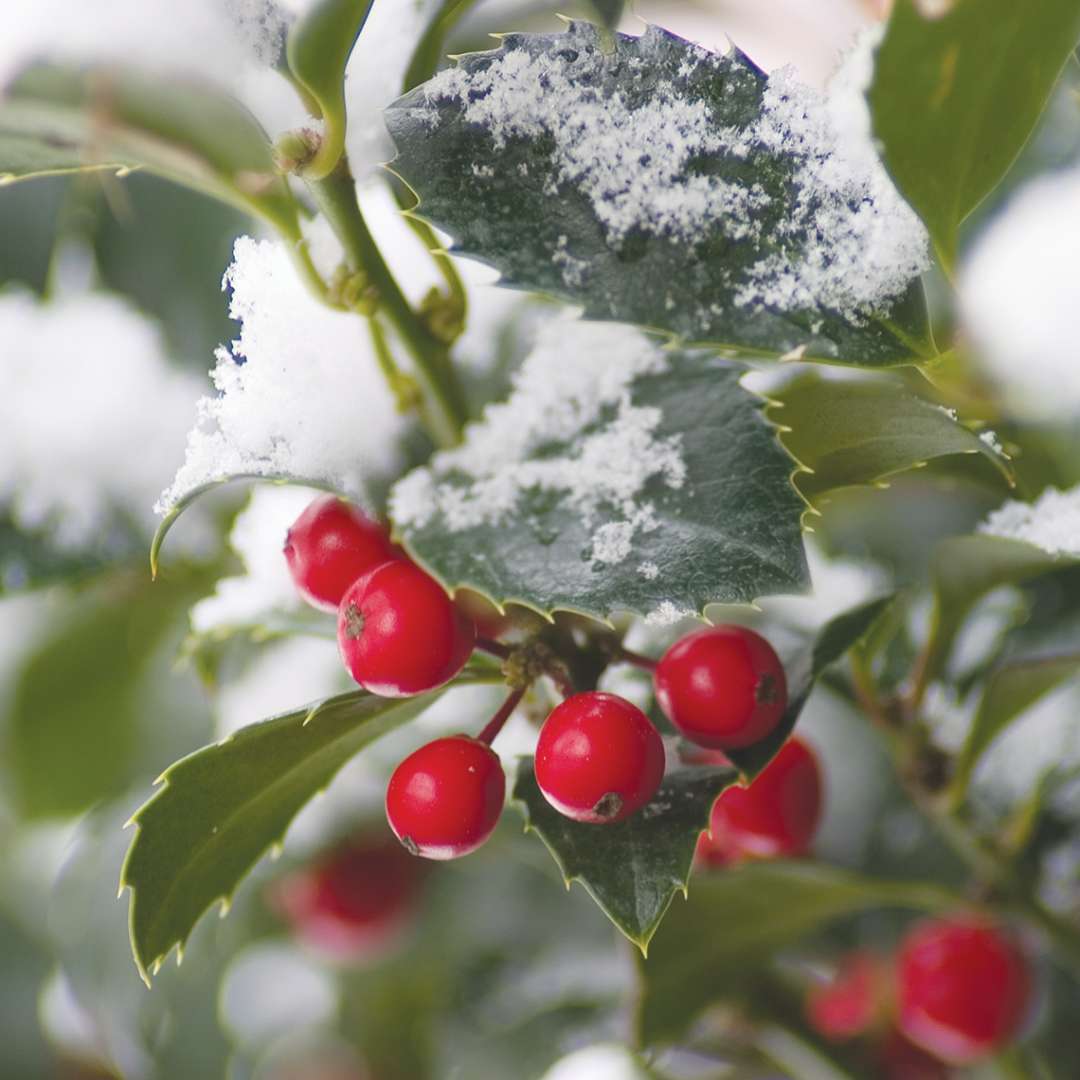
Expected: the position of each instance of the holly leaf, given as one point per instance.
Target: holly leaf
(220, 809)
(656, 183)
(318, 48)
(956, 96)
(1010, 690)
(632, 869)
(803, 669)
(738, 918)
(728, 530)
(852, 433)
(24, 156)
(109, 117)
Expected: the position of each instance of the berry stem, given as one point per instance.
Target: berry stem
(628, 656)
(496, 648)
(495, 724)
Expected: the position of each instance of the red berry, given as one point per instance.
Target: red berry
(329, 546)
(722, 687)
(598, 758)
(400, 634)
(355, 900)
(903, 1060)
(444, 800)
(776, 815)
(852, 1000)
(965, 988)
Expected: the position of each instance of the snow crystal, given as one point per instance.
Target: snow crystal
(257, 537)
(1052, 522)
(569, 427)
(649, 571)
(1020, 298)
(846, 241)
(79, 447)
(299, 393)
(667, 614)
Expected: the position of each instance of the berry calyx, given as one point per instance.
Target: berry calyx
(444, 800)
(599, 758)
(853, 1000)
(722, 687)
(776, 815)
(964, 986)
(354, 901)
(329, 546)
(400, 634)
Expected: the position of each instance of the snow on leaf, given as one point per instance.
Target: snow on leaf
(611, 455)
(658, 183)
(1052, 522)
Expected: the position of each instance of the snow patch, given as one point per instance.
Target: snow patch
(1052, 522)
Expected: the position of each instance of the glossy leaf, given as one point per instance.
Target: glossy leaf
(509, 200)
(849, 433)
(1009, 691)
(633, 868)
(318, 48)
(955, 98)
(739, 917)
(220, 809)
(832, 641)
(190, 133)
(729, 533)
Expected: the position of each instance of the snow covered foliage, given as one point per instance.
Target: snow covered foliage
(1020, 295)
(78, 456)
(1052, 522)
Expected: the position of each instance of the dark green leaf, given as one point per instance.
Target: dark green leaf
(739, 917)
(189, 133)
(318, 50)
(633, 868)
(849, 433)
(730, 532)
(224, 806)
(28, 560)
(955, 98)
(834, 639)
(1010, 690)
(549, 217)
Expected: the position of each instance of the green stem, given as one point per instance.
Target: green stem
(301, 257)
(427, 237)
(428, 51)
(406, 392)
(444, 411)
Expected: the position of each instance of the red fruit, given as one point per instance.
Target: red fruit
(722, 687)
(329, 546)
(903, 1060)
(354, 901)
(851, 1002)
(598, 758)
(964, 986)
(400, 634)
(776, 815)
(444, 800)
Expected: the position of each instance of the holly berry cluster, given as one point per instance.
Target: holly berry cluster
(599, 758)
(958, 990)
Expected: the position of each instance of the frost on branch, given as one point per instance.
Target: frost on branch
(1052, 522)
(299, 393)
(666, 185)
(1020, 294)
(618, 476)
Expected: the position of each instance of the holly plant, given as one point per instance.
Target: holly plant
(580, 524)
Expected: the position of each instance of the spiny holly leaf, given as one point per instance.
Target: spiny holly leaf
(218, 810)
(657, 495)
(1009, 691)
(955, 97)
(318, 48)
(633, 868)
(188, 133)
(737, 918)
(833, 640)
(966, 568)
(861, 432)
(654, 182)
